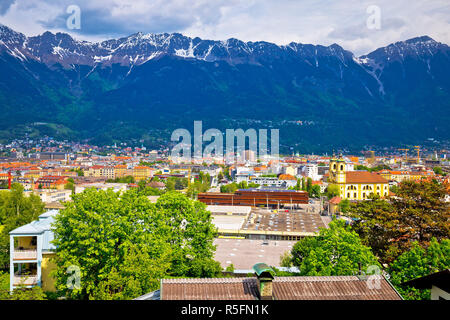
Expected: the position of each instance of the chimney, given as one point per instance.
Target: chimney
(264, 276)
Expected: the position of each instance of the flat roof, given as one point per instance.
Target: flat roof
(243, 253)
(282, 221)
(216, 209)
(228, 222)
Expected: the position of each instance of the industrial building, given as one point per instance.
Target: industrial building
(256, 198)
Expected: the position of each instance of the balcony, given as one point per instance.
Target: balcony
(25, 254)
(25, 280)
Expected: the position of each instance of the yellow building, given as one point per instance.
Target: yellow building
(120, 170)
(94, 171)
(142, 173)
(356, 185)
(101, 172)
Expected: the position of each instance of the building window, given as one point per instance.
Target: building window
(354, 195)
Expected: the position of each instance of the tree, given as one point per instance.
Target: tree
(123, 244)
(191, 234)
(70, 185)
(308, 185)
(419, 262)
(303, 184)
(127, 179)
(110, 236)
(16, 210)
(314, 191)
(393, 189)
(332, 191)
(335, 251)
(438, 171)
(417, 213)
(344, 206)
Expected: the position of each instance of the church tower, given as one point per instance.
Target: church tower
(337, 170)
(340, 171)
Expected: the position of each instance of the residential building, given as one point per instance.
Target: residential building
(116, 187)
(53, 196)
(120, 171)
(51, 182)
(142, 173)
(31, 251)
(312, 171)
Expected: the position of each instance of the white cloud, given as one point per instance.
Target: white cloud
(280, 21)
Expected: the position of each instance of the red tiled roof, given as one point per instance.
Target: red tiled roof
(335, 200)
(363, 177)
(286, 177)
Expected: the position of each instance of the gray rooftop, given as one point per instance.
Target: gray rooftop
(42, 226)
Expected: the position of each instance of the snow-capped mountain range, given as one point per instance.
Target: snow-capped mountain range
(139, 48)
(150, 77)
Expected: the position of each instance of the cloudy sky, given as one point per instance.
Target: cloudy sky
(280, 21)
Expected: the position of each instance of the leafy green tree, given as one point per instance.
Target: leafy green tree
(70, 185)
(229, 188)
(438, 170)
(303, 184)
(191, 235)
(332, 191)
(230, 268)
(298, 186)
(393, 189)
(139, 273)
(309, 185)
(314, 191)
(100, 232)
(335, 251)
(344, 206)
(419, 262)
(123, 244)
(16, 210)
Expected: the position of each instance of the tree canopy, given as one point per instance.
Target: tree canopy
(16, 210)
(123, 244)
(418, 212)
(335, 251)
(418, 262)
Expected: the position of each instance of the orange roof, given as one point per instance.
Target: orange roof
(335, 200)
(260, 168)
(363, 177)
(141, 167)
(286, 177)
